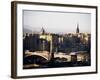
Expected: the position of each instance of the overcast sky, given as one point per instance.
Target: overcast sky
(56, 22)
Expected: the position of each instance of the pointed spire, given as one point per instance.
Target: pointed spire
(77, 30)
(42, 31)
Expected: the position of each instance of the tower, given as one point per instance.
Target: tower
(42, 31)
(77, 30)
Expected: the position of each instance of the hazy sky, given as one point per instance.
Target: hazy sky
(56, 22)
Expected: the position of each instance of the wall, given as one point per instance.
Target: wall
(5, 40)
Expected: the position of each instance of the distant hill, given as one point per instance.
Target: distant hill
(29, 29)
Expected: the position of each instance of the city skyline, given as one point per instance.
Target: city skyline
(65, 22)
(46, 43)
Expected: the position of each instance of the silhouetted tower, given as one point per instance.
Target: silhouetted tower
(77, 30)
(42, 31)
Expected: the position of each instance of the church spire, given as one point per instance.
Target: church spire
(42, 31)
(77, 30)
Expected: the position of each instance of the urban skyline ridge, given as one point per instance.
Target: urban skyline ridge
(32, 31)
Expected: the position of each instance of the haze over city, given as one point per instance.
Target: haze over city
(56, 22)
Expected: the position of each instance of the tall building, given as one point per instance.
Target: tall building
(77, 30)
